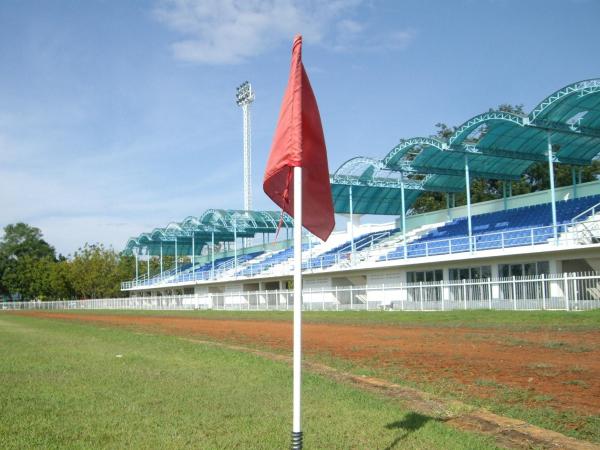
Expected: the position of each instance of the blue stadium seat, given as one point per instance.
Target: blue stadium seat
(520, 226)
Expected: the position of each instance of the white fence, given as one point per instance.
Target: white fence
(570, 292)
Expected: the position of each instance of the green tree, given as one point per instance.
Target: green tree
(60, 281)
(96, 272)
(21, 248)
(126, 267)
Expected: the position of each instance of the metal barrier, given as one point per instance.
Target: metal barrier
(567, 291)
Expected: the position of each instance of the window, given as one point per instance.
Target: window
(526, 269)
(470, 273)
(426, 276)
(425, 293)
(524, 289)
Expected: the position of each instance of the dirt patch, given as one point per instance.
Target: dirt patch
(558, 369)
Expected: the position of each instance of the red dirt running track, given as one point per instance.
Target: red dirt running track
(562, 367)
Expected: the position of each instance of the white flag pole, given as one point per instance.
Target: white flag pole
(297, 370)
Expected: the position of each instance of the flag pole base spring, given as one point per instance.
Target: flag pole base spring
(296, 440)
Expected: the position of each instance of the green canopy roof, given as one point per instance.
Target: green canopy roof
(376, 189)
(497, 145)
(224, 224)
(430, 155)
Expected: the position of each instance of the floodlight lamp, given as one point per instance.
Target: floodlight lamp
(244, 94)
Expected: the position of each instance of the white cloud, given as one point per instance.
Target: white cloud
(232, 31)
(350, 26)
(400, 39)
(353, 36)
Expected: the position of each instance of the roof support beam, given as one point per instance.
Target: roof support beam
(503, 153)
(354, 181)
(460, 173)
(559, 127)
(571, 161)
(500, 152)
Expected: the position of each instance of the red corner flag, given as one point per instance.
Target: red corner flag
(299, 142)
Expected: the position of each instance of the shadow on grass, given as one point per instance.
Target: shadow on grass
(411, 423)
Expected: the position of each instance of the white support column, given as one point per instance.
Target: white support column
(552, 193)
(212, 238)
(402, 205)
(235, 242)
(352, 249)
(297, 355)
(193, 250)
(176, 257)
(468, 191)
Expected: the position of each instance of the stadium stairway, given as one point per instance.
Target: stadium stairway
(227, 266)
(340, 254)
(394, 241)
(269, 263)
(584, 232)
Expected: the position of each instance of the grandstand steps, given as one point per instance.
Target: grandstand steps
(584, 232)
(335, 240)
(394, 241)
(592, 227)
(261, 258)
(316, 248)
(338, 251)
(380, 247)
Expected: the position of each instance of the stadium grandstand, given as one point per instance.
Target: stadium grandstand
(235, 255)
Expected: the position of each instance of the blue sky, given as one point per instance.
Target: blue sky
(116, 117)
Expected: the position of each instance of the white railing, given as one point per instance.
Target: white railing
(570, 292)
(590, 212)
(526, 237)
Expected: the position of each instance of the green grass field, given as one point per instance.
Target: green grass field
(502, 399)
(64, 385)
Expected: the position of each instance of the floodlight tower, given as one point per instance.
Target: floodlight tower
(244, 97)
